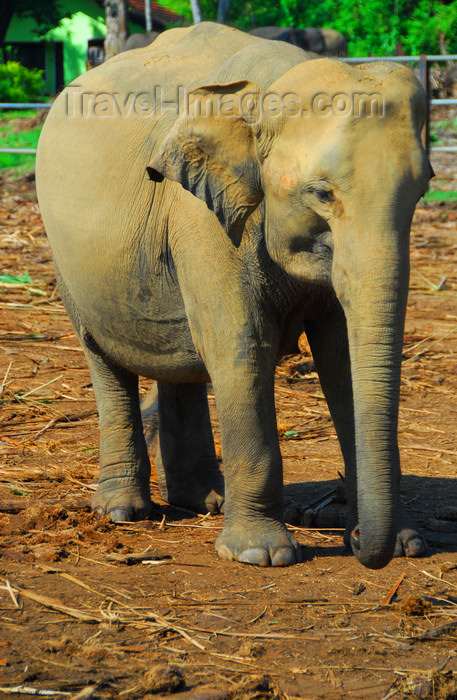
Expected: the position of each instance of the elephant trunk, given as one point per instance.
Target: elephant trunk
(375, 307)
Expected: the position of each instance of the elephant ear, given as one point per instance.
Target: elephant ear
(211, 151)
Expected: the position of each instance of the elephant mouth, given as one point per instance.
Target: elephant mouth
(323, 247)
(320, 246)
(309, 261)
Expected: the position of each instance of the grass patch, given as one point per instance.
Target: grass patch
(445, 125)
(20, 279)
(15, 134)
(7, 115)
(444, 128)
(440, 196)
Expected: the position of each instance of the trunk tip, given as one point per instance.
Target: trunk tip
(372, 557)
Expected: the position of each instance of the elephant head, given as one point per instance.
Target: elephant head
(310, 39)
(335, 43)
(339, 188)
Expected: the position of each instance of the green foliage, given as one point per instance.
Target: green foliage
(15, 132)
(376, 27)
(372, 27)
(20, 279)
(182, 7)
(440, 196)
(46, 13)
(20, 84)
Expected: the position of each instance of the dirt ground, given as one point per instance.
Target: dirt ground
(89, 609)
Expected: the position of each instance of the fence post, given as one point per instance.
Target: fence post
(424, 78)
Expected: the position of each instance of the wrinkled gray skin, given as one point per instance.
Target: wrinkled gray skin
(140, 40)
(322, 41)
(193, 248)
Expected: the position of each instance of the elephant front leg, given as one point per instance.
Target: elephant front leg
(330, 348)
(186, 464)
(254, 531)
(123, 490)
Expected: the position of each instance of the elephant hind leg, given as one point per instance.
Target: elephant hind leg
(123, 490)
(186, 464)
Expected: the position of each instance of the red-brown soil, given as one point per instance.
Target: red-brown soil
(74, 618)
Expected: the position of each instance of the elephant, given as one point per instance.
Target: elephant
(195, 238)
(322, 41)
(139, 40)
(308, 39)
(335, 43)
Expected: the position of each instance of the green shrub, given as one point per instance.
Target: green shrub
(372, 27)
(20, 84)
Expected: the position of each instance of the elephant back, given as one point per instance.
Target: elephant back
(139, 40)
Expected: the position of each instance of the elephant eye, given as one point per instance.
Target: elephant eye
(319, 190)
(324, 195)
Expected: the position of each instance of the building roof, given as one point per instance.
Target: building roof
(159, 14)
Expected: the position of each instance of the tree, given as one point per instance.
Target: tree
(372, 27)
(46, 13)
(117, 27)
(197, 14)
(222, 10)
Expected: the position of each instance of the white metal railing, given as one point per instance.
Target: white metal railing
(23, 105)
(403, 59)
(423, 61)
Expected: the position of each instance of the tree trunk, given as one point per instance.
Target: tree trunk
(222, 10)
(442, 40)
(197, 13)
(117, 29)
(147, 15)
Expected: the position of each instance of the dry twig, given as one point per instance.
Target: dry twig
(392, 591)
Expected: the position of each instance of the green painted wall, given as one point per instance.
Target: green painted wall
(87, 21)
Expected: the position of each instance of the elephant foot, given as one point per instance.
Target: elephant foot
(410, 542)
(205, 495)
(267, 543)
(122, 502)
